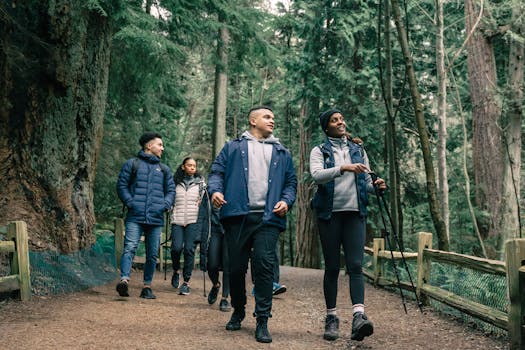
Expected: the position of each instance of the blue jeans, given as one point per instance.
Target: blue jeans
(131, 241)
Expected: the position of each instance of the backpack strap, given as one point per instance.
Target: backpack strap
(134, 169)
(163, 167)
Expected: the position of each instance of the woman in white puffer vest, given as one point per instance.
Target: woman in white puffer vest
(186, 225)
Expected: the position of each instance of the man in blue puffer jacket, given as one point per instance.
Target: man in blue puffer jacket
(253, 181)
(146, 187)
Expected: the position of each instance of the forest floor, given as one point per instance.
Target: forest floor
(99, 319)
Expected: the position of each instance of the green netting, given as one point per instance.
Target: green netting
(55, 273)
(483, 288)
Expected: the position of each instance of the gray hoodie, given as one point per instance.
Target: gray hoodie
(259, 158)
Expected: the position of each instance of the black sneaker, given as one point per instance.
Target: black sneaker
(361, 327)
(175, 280)
(122, 288)
(331, 327)
(225, 305)
(184, 289)
(234, 324)
(147, 293)
(212, 296)
(261, 331)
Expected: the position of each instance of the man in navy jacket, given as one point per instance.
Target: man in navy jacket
(146, 187)
(253, 181)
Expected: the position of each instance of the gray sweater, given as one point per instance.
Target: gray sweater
(345, 191)
(259, 158)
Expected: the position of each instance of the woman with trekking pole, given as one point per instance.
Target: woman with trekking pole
(340, 169)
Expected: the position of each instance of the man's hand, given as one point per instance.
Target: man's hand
(218, 199)
(281, 208)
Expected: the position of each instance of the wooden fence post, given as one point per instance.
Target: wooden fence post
(423, 265)
(119, 240)
(515, 264)
(17, 230)
(379, 245)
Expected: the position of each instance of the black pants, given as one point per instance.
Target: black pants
(345, 228)
(244, 233)
(218, 257)
(183, 238)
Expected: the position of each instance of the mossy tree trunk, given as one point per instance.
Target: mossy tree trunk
(54, 70)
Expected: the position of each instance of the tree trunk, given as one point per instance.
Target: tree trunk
(442, 118)
(510, 214)
(306, 228)
(435, 213)
(54, 66)
(221, 84)
(486, 132)
(390, 139)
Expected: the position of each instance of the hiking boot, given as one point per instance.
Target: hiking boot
(212, 296)
(122, 288)
(225, 305)
(175, 280)
(331, 327)
(278, 288)
(234, 324)
(147, 293)
(361, 327)
(184, 289)
(261, 330)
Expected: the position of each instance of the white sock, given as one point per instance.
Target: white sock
(359, 308)
(331, 311)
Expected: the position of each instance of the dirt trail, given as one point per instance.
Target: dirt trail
(100, 319)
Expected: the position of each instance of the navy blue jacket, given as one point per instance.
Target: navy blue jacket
(229, 176)
(145, 195)
(323, 200)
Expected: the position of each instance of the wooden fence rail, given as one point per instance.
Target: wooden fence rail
(513, 268)
(17, 247)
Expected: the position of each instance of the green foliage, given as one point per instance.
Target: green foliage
(324, 53)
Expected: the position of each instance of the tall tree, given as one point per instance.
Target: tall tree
(435, 212)
(54, 65)
(221, 83)
(442, 118)
(496, 144)
(510, 223)
(486, 112)
(390, 134)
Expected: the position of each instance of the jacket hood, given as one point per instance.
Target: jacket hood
(150, 158)
(270, 139)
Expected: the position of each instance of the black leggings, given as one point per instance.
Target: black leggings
(217, 258)
(345, 228)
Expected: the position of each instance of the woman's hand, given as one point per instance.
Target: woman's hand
(358, 168)
(380, 183)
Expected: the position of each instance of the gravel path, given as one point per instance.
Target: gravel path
(99, 319)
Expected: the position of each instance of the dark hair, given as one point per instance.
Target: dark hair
(179, 173)
(147, 137)
(256, 108)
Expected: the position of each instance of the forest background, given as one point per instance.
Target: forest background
(433, 88)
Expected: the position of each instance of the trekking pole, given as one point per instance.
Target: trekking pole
(165, 244)
(207, 238)
(381, 200)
